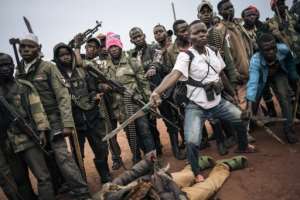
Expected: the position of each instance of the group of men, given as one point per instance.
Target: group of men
(225, 67)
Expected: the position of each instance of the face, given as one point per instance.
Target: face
(269, 50)
(138, 38)
(160, 34)
(281, 7)
(29, 50)
(205, 15)
(115, 52)
(198, 34)
(182, 31)
(227, 10)
(216, 21)
(91, 49)
(64, 56)
(102, 48)
(250, 17)
(6, 68)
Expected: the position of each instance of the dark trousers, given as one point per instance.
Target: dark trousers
(34, 159)
(114, 146)
(68, 168)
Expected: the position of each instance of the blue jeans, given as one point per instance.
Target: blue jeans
(195, 117)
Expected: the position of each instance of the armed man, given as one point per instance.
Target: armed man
(21, 105)
(273, 66)
(84, 89)
(129, 74)
(145, 55)
(93, 48)
(285, 27)
(167, 108)
(252, 27)
(56, 100)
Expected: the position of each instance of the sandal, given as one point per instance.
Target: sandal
(206, 162)
(235, 163)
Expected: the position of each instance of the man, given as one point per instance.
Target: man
(55, 98)
(22, 97)
(93, 48)
(286, 29)
(83, 89)
(231, 31)
(217, 41)
(130, 74)
(167, 107)
(145, 56)
(252, 27)
(273, 66)
(203, 91)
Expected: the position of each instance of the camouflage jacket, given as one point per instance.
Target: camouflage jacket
(288, 35)
(131, 75)
(54, 94)
(24, 98)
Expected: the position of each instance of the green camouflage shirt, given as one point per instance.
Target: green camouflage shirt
(288, 35)
(20, 94)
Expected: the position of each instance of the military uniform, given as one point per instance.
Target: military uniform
(131, 76)
(83, 89)
(106, 112)
(56, 100)
(22, 96)
(146, 57)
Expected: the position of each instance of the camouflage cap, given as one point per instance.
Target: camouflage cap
(205, 3)
(135, 30)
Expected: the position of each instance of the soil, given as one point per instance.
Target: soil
(273, 172)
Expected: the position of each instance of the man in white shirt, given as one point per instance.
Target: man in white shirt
(203, 92)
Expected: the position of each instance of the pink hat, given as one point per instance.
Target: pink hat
(113, 39)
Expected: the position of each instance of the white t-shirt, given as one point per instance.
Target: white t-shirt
(198, 71)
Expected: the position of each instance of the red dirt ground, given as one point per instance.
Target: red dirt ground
(273, 172)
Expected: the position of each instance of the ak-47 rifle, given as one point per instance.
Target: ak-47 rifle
(21, 123)
(14, 42)
(86, 34)
(119, 88)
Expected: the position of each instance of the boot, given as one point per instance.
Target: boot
(178, 154)
(103, 170)
(219, 136)
(271, 109)
(291, 136)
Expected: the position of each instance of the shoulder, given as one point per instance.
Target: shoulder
(255, 60)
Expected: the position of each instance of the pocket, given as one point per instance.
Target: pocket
(41, 82)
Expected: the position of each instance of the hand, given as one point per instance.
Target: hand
(67, 131)
(151, 72)
(43, 138)
(103, 87)
(155, 99)
(78, 40)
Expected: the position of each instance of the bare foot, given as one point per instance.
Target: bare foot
(199, 178)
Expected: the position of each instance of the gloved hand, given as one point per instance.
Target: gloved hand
(43, 138)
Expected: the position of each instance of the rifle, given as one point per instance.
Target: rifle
(119, 88)
(14, 42)
(86, 34)
(21, 123)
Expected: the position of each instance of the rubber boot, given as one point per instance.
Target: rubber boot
(291, 136)
(178, 154)
(103, 170)
(271, 109)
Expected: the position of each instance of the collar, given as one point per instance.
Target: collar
(27, 66)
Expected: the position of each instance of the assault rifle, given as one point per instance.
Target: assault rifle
(119, 88)
(21, 123)
(88, 34)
